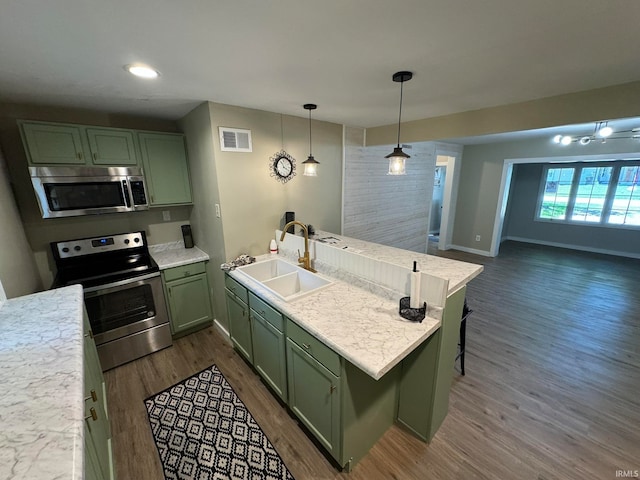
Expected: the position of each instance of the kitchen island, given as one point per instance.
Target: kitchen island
(382, 368)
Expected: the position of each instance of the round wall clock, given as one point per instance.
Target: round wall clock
(282, 166)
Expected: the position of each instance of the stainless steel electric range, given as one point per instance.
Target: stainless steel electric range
(122, 292)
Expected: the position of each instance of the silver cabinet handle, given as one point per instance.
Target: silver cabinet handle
(306, 346)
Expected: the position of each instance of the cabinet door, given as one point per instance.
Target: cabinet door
(269, 354)
(314, 396)
(166, 168)
(99, 458)
(189, 302)
(239, 325)
(53, 144)
(111, 147)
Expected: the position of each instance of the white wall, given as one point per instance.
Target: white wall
(388, 209)
(18, 271)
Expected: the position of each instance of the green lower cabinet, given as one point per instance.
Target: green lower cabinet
(188, 300)
(97, 431)
(343, 407)
(427, 373)
(314, 396)
(269, 357)
(239, 325)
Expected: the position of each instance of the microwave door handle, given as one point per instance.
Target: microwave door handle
(127, 193)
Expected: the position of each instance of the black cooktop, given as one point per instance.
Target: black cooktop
(98, 261)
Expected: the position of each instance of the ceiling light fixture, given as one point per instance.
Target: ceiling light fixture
(398, 157)
(310, 164)
(602, 132)
(141, 70)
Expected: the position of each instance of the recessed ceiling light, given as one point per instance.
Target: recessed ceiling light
(141, 70)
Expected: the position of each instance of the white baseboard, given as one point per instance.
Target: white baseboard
(223, 331)
(574, 247)
(484, 253)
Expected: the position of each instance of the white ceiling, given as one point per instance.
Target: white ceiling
(277, 55)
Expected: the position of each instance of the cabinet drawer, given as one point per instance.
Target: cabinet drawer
(314, 347)
(183, 271)
(266, 311)
(237, 289)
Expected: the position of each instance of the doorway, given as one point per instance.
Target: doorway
(435, 218)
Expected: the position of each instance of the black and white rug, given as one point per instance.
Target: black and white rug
(203, 431)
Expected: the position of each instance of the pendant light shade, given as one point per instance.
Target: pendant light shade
(397, 157)
(310, 164)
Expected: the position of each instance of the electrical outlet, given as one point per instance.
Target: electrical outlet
(477, 238)
(166, 215)
(218, 210)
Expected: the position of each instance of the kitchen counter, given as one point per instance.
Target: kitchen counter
(173, 254)
(456, 272)
(363, 327)
(358, 318)
(41, 373)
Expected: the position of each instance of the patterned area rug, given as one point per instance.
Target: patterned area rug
(203, 431)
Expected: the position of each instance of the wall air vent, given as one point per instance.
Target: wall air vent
(235, 140)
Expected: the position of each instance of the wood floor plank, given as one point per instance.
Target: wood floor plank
(551, 390)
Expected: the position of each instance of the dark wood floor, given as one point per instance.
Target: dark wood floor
(552, 385)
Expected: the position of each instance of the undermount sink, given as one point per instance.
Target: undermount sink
(284, 279)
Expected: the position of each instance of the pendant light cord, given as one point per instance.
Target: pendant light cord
(400, 113)
(310, 132)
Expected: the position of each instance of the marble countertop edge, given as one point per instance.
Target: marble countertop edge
(174, 254)
(296, 310)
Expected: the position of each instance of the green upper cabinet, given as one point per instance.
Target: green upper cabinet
(166, 168)
(53, 144)
(110, 146)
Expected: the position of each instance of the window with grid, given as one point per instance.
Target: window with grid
(606, 193)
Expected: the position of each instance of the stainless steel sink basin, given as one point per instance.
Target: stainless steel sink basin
(284, 279)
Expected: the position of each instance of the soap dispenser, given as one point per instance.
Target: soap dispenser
(273, 247)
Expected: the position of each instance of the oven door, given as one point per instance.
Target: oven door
(128, 319)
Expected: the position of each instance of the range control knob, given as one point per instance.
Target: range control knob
(137, 240)
(65, 249)
(126, 241)
(77, 248)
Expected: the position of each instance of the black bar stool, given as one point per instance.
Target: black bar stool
(466, 311)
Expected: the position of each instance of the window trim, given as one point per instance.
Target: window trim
(575, 181)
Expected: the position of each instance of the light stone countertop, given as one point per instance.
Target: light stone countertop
(364, 328)
(173, 254)
(458, 273)
(42, 394)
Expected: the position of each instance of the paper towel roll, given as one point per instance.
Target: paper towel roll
(414, 300)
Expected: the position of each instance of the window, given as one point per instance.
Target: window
(605, 193)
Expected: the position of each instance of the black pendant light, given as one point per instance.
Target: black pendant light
(310, 164)
(398, 157)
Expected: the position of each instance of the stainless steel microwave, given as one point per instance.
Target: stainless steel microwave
(73, 191)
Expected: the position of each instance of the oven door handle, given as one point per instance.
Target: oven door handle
(95, 291)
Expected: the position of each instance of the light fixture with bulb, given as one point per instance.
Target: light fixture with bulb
(310, 164)
(602, 132)
(141, 70)
(397, 157)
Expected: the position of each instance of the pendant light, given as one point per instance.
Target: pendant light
(310, 164)
(398, 157)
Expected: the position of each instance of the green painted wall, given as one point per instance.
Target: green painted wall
(252, 203)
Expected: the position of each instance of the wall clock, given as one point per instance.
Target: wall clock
(282, 166)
